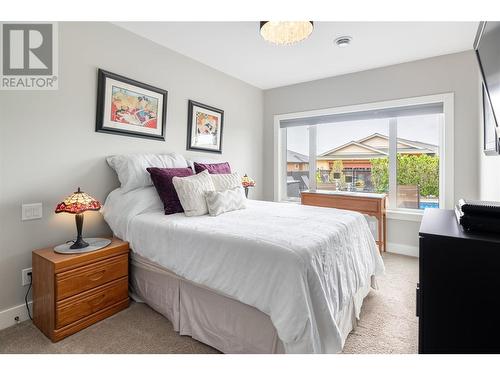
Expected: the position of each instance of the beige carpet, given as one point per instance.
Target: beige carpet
(388, 325)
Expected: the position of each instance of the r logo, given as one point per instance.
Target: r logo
(27, 49)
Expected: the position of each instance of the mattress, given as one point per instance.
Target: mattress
(300, 265)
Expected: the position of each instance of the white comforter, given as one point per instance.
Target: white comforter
(301, 265)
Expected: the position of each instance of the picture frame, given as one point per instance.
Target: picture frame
(205, 128)
(131, 108)
(490, 129)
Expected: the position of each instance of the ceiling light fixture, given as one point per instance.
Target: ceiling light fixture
(343, 41)
(285, 33)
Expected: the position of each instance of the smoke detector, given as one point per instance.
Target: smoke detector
(343, 41)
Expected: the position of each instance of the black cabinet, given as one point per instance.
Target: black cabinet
(459, 287)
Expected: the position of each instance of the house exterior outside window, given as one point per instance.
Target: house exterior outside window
(394, 150)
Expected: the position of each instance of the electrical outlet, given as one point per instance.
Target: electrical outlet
(25, 279)
(31, 211)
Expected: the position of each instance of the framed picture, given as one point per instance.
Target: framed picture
(128, 107)
(490, 127)
(204, 127)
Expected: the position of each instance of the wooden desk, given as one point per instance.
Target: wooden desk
(371, 204)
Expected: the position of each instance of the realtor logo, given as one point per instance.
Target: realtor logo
(29, 56)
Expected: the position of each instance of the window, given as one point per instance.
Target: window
(348, 151)
(417, 161)
(297, 161)
(397, 150)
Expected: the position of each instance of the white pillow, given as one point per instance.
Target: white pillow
(226, 181)
(120, 208)
(219, 202)
(191, 191)
(131, 168)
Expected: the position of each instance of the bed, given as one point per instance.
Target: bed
(272, 278)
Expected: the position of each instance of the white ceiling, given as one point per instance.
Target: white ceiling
(237, 49)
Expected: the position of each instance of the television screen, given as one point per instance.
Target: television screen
(487, 47)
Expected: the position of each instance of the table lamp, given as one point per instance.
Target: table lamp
(247, 183)
(77, 203)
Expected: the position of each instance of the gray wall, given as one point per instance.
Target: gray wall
(457, 73)
(49, 146)
(489, 166)
(490, 176)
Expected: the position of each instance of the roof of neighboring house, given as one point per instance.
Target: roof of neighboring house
(353, 150)
(376, 145)
(295, 157)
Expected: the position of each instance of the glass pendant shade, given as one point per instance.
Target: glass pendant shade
(285, 33)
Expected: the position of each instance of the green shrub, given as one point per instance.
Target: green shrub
(421, 170)
(380, 174)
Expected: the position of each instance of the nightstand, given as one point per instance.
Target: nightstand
(74, 291)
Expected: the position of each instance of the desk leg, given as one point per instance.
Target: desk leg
(385, 231)
(380, 234)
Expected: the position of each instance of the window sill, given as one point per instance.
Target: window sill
(405, 215)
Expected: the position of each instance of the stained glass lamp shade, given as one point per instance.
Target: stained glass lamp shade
(247, 183)
(77, 203)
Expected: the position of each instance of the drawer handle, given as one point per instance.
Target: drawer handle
(97, 300)
(97, 275)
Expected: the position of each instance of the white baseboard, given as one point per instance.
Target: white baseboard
(8, 317)
(398, 248)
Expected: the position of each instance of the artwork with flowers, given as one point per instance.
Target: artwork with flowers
(128, 107)
(204, 127)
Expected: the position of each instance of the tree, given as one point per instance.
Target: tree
(421, 170)
(380, 174)
(337, 167)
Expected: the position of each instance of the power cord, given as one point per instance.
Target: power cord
(27, 293)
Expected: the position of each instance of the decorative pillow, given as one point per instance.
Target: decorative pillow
(219, 202)
(226, 181)
(201, 159)
(131, 168)
(191, 191)
(162, 180)
(218, 168)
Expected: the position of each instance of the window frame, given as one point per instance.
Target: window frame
(446, 155)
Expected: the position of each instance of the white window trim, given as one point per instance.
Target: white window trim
(446, 152)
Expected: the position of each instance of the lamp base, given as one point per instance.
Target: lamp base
(93, 244)
(79, 244)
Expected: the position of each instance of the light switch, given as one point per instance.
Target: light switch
(31, 211)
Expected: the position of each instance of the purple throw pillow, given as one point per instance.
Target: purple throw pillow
(218, 168)
(162, 180)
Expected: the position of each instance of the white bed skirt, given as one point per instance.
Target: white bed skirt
(217, 320)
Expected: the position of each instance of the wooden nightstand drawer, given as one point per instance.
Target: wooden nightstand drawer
(74, 291)
(77, 307)
(87, 277)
